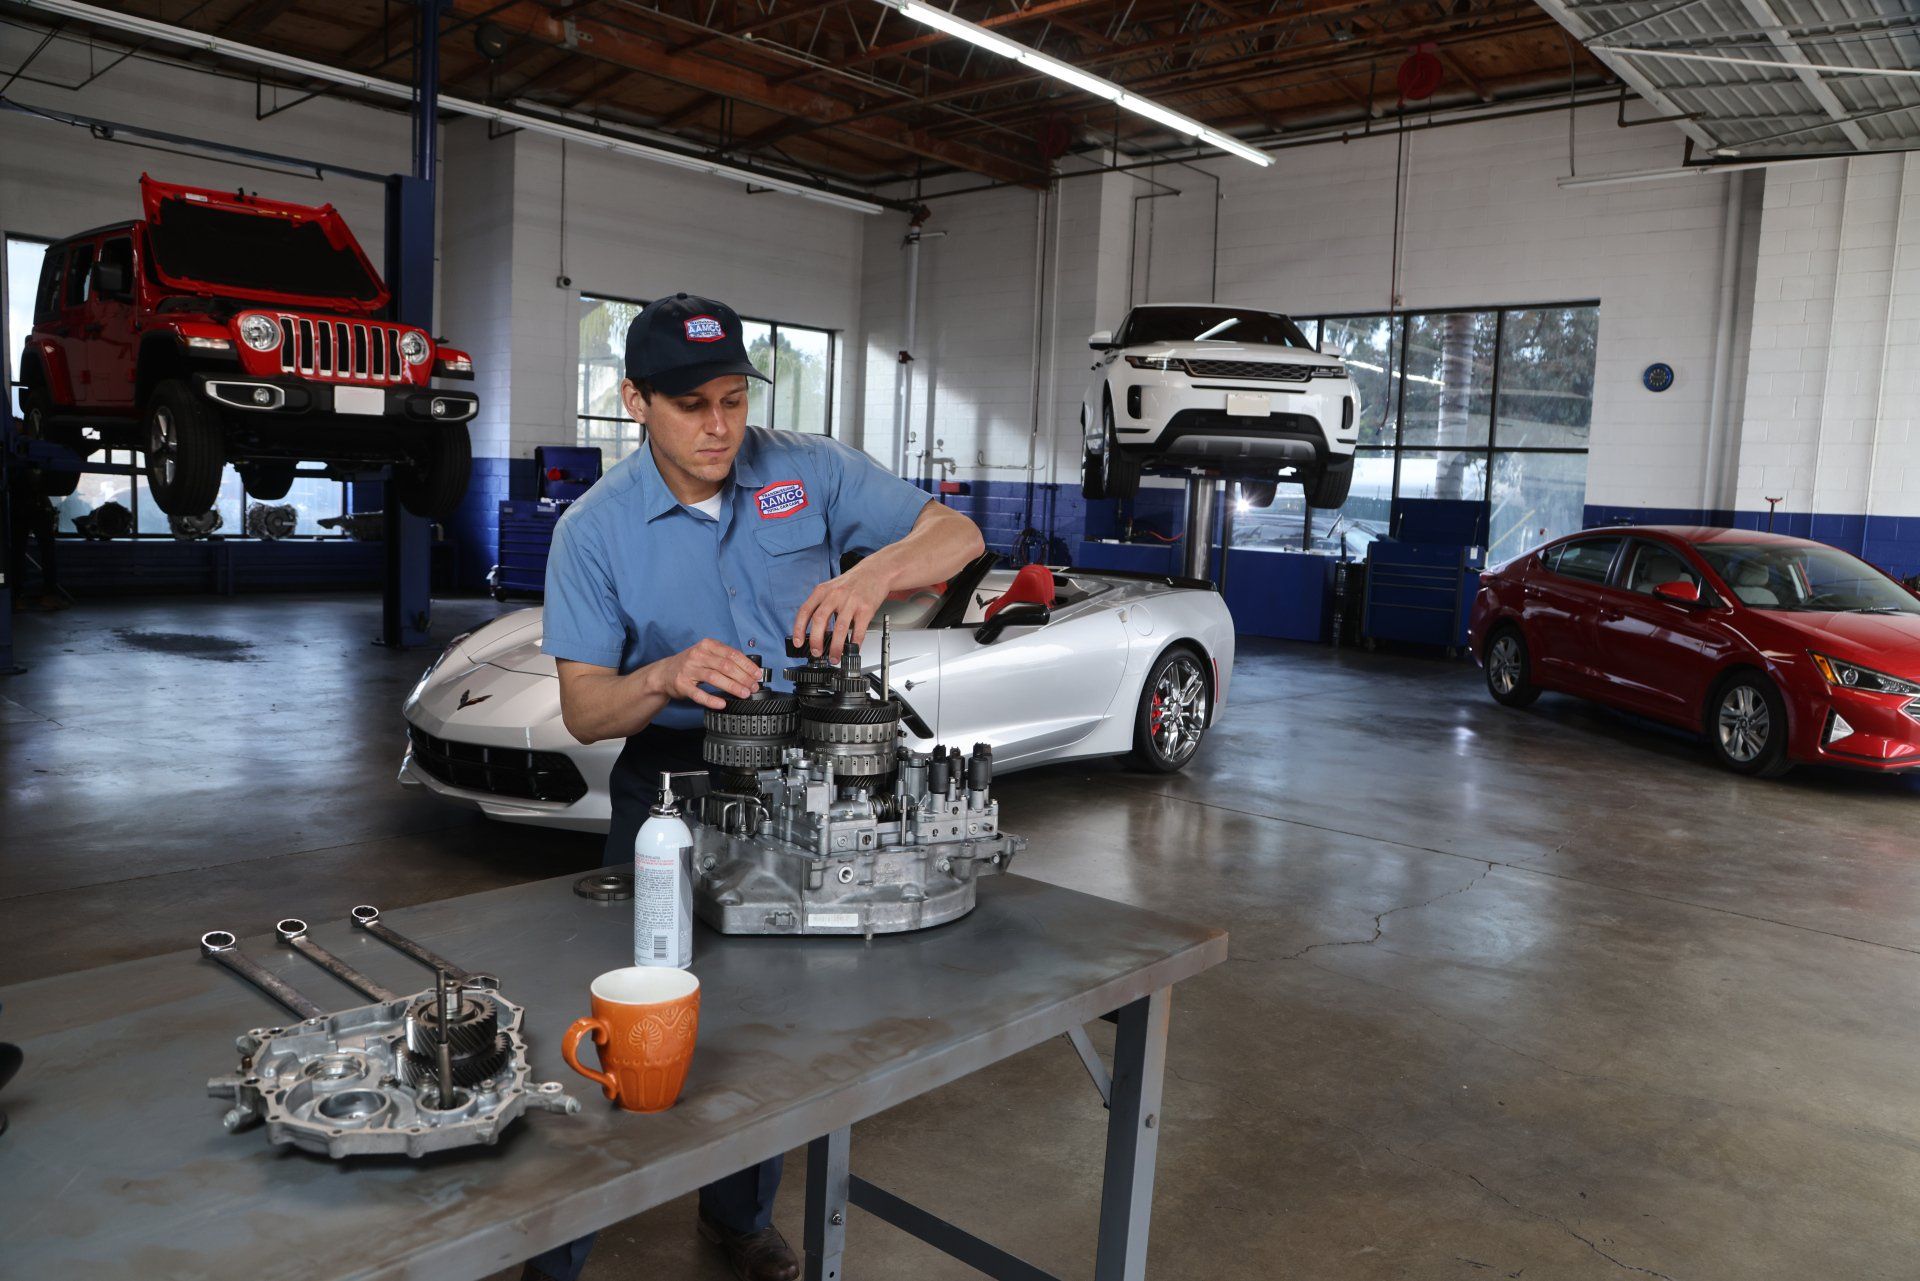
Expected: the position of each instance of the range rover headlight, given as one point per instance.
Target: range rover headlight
(1328, 371)
(262, 333)
(1853, 676)
(1165, 364)
(414, 347)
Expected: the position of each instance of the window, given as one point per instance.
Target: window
(1490, 404)
(1586, 559)
(1653, 564)
(1148, 324)
(33, 277)
(118, 254)
(78, 268)
(799, 360)
(1805, 576)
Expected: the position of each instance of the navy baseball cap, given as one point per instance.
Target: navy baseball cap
(681, 342)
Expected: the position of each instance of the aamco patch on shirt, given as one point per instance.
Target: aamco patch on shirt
(781, 498)
(704, 329)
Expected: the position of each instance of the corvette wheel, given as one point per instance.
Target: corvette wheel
(1509, 668)
(1747, 726)
(1175, 706)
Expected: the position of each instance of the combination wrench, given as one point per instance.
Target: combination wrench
(293, 932)
(223, 947)
(367, 918)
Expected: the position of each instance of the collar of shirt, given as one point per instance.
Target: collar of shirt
(657, 499)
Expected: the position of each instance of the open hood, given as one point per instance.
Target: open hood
(239, 246)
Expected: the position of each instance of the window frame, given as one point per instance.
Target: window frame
(773, 335)
(1608, 578)
(81, 281)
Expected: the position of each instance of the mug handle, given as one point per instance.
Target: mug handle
(570, 1050)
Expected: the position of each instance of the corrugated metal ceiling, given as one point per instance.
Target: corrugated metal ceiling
(1662, 48)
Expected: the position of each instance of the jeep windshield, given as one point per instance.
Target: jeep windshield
(256, 254)
(1211, 324)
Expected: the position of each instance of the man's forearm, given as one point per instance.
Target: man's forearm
(602, 704)
(940, 544)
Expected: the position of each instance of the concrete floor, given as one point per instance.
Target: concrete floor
(1513, 994)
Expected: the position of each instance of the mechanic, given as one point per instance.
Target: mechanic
(713, 544)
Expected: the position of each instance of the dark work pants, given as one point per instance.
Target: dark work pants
(29, 516)
(742, 1202)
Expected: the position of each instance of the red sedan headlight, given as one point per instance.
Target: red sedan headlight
(1853, 676)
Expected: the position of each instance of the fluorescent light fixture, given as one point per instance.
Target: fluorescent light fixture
(1084, 81)
(151, 29)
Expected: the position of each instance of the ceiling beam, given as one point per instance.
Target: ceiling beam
(615, 45)
(1821, 91)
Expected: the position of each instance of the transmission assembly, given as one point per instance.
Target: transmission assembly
(406, 1075)
(817, 821)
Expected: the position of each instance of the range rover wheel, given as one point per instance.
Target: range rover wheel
(37, 407)
(1093, 476)
(185, 454)
(269, 480)
(1747, 726)
(1510, 669)
(1328, 490)
(1120, 474)
(433, 485)
(1175, 706)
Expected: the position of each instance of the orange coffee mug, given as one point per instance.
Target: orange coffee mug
(644, 1022)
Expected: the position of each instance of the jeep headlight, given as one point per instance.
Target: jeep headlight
(259, 332)
(414, 347)
(1165, 364)
(1853, 676)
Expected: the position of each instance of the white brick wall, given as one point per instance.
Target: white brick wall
(1831, 395)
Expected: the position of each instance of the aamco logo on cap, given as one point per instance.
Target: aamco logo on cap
(704, 329)
(781, 498)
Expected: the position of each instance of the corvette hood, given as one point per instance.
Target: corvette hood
(512, 642)
(1884, 642)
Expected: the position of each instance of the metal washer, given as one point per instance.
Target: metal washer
(605, 887)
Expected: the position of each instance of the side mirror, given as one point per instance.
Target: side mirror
(1025, 614)
(1680, 592)
(110, 278)
(1101, 340)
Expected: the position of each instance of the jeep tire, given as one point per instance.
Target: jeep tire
(1327, 490)
(267, 480)
(184, 450)
(36, 408)
(435, 482)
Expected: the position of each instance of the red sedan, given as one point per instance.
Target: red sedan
(1776, 649)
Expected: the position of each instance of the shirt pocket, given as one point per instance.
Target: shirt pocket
(797, 561)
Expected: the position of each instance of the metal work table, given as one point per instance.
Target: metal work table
(115, 1164)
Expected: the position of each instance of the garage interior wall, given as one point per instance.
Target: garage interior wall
(626, 229)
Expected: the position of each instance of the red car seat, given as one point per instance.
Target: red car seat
(1033, 585)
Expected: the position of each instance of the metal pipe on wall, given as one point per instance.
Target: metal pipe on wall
(1718, 414)
(902, 369)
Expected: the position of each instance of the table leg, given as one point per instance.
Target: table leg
(1133, 1137)
(826, 1222)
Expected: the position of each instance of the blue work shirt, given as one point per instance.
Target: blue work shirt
(635, 575)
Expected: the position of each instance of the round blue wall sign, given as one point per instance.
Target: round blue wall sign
(1658, 376)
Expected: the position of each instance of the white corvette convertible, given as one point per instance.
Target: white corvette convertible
(1071, 664)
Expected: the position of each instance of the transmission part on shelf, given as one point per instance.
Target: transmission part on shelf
(848, 833)
(272, 520)
(406, 1075)
(188, 528)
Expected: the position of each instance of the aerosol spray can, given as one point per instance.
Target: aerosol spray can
(663, 885)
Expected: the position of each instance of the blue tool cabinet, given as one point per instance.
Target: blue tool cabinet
(1421, 579)
(564, 473)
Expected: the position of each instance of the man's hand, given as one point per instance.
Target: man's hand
(707, 663)
(842, 608)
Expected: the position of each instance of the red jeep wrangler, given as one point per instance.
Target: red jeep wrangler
(224, 328)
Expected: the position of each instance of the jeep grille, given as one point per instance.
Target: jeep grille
(1268, 372)
(340, 349)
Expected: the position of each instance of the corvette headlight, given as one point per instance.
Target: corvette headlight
(1853, 676)
(259, 332)
(414, 347)
(1165, 364)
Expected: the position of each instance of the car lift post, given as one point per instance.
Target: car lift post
(1196, 544)
(406, 598)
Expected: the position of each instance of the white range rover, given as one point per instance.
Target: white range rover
(1231, 390)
